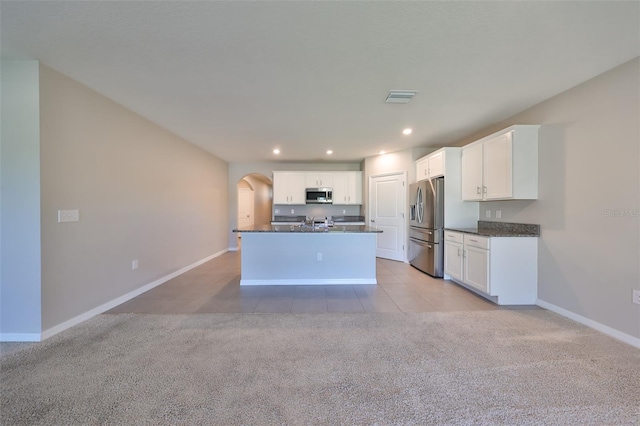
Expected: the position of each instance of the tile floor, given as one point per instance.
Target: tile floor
(214, 287)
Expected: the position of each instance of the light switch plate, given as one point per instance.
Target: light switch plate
(487, 213)
(68, 216)
(498, 214)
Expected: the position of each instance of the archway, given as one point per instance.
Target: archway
(255, 199)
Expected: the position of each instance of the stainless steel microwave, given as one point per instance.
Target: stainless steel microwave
(319, 196)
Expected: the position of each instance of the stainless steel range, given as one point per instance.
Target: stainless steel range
(426, 230)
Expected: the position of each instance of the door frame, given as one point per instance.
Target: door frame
(403, 207)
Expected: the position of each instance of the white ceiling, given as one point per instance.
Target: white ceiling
(240, 78)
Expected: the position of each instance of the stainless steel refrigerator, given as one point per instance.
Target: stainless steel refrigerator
(426, 227)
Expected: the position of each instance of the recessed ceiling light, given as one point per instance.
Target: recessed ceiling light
(276, 151)
(382, 152)
(329, 152)
(407, 131)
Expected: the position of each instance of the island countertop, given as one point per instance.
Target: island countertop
(297, 229)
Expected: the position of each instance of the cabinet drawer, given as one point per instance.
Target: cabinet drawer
(456, 237)
(476, 241)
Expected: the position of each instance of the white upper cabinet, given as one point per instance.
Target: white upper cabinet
(436, 163)
(289, 188)
(347, 188)
(422, 169)
(472, 172)
(502, 166)
(497, 167)
(431, 165)
(318, 179)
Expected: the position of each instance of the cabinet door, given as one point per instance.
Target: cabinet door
(340, 188)
(422, 169)
(472, 172)
(476, 268)
(436, 164)
(453, 260)
(280, 195)
(296, 186)
(497, 167)
(355, 187)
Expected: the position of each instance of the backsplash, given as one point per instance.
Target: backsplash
(315, 210)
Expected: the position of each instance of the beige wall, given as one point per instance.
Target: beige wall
(589, 162)
(142, 192)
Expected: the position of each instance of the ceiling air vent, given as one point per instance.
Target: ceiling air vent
(400, 96)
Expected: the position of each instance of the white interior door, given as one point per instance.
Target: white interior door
(245, 207)
(386, 212)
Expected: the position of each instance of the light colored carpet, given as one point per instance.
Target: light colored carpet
(483, 367)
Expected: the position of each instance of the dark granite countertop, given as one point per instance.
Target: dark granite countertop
(354, 229)
(501, 229)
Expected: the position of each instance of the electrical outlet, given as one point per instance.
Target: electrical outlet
(498, 214)
(134, 264)
(292, 211)
(344, 211)
(487, 213)
(68, 216)
(636, 297)
(319, 256)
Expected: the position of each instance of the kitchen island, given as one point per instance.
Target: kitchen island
(299, 255)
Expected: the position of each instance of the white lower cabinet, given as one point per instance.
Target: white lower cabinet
(502, 269)
(476, 268)
(453, 255)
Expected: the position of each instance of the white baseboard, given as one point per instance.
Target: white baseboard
(19, 337)
(311, 281)
(233, 249)
(616, 334)
(104, 307)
